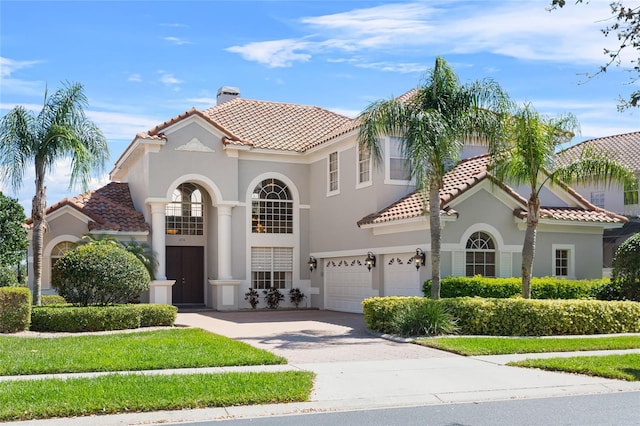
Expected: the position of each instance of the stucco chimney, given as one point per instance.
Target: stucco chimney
(227, 93)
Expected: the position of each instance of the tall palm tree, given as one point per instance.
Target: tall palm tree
(432, 126)
(60, 130)
(528, 155)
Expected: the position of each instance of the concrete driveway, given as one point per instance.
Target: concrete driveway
(307, 336)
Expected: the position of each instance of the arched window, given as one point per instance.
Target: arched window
(481, 255)
(183, 215)
(271, 208)
(59, 250)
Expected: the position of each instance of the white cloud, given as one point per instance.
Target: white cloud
(176, 40)
(402, 68)
(168, 78)
(522, 30)
(117, 125)
(9, 66)
(276, 53)
(136, 78)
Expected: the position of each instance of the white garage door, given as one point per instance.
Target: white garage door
(400, 276)
(347, 281)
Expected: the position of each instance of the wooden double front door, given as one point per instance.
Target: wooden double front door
(186, 266)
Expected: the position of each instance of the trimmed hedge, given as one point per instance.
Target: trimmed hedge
(541, 287)
(15, 309)
(8, 277)
(518, 317)
(74, 319)
(52, 299)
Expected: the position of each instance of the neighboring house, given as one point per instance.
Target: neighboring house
(626, 149)
(259, 194)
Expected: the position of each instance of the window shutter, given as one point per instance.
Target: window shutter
(458, 264)
(260, 258)
(282, 259)
(506, 260)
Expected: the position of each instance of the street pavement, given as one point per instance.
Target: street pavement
(356, 370)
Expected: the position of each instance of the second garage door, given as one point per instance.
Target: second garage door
(400, 275)
(347, 282)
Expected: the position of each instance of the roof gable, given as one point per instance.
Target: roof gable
(109, 208)
(466, 175)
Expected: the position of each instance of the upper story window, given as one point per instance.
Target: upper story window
(480, 255)
(597, 199)
(364, 165)
(184, 214)
(630, 196)
(333, 172)
(398, 168)
(271, 208)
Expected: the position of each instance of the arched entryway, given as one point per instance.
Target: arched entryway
(185, 227)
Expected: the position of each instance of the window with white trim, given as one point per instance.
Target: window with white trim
(364, 165)
(563, 260)
(183, 215)
(271, 208)
(271, 267)
(59, 250)
(597, 199)
(398, 166)
(480, 255)
(333, 183)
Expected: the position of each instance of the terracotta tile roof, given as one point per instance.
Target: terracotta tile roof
(273, 125)
(464, 176)
(625, 147)
(110, 208)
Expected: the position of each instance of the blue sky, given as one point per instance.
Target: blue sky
(144, 62)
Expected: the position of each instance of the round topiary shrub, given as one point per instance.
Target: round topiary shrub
(8, 278)
(99, 274)
(626, 269)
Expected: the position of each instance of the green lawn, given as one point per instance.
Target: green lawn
(504, 345)
(147, 350)
(22, 400)
(623, 367)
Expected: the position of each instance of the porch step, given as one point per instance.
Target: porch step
(192, 307)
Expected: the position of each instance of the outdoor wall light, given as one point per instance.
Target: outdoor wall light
(370, 261)
(419, 258)
(313, 263)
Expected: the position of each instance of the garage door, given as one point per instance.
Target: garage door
(347, 282)
(400, 276)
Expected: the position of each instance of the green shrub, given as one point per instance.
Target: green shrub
(515, 316)
(99, 274)
(8, 278)
(541, 287)
(522, 317)
(75, 319)
(152, 315)
(625, 281)
(52, 299)
(425, 319)
(15, 309)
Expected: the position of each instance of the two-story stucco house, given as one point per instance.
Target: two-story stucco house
(264, 194)
(626, 149)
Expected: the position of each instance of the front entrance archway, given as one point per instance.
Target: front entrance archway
(185, 265)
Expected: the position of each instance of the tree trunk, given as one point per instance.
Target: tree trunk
(38, 216)
(434, 223)
(529, 246)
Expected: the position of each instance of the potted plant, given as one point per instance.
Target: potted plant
(296, 296)
(273, 297)
(253, 297)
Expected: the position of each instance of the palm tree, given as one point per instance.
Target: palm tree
(528, 156)
(432, 126)
(60, 130)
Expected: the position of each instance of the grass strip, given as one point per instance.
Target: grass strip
(38, 399)
(145, 350)
(505, 345)
(623, 367)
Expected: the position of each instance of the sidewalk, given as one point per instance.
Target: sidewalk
(416, 376)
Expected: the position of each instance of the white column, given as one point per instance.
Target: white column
(224, 242)
(158, 237)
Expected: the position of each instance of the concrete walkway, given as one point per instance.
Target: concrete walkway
(356, 370)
